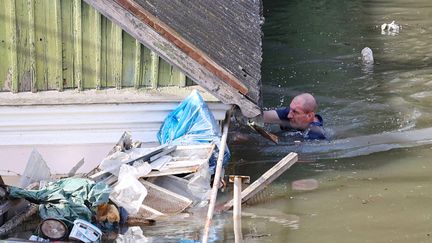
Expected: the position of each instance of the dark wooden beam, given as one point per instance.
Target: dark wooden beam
(192, 67)
(184, 45)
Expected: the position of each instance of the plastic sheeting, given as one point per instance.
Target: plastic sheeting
(192, 123)
(129, 193)
(66, 199)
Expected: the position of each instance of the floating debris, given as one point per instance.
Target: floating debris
(304, 185)
(390, 29)
(367, 56)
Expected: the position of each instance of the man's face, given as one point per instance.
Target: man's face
(298, 118)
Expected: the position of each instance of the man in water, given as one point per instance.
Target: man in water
(299, 116)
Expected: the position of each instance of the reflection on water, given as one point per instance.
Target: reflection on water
(315, 46)
(364, 196)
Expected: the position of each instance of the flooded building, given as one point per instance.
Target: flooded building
(75, 75)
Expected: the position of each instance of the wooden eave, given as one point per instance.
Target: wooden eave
(178, 51)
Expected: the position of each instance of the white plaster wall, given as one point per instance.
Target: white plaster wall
(64, 134)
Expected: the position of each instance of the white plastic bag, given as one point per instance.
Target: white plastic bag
(129, 193)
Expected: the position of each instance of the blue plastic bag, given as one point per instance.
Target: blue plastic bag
(192, 123)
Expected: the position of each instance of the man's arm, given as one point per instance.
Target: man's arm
(271, 117)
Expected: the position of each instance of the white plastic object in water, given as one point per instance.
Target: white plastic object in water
(367, 56)
(85, 231)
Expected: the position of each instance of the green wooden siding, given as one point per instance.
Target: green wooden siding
(66, 44)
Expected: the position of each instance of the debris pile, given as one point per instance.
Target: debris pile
(133, 185)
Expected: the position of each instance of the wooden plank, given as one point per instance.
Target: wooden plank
(166, 49)
(154, 69)
(183, 163)
(54, 45)
(267, 178)
(177, 171)
(78, 81)
(32, 51)
(91, 48)
(18, 219)
(146, 67)
(98, 48)
(41, 82)
(185, 46)
(177, 77)
(5, 207)
(67, 44)
(23, 83)
(137, 66)
(117, 34)
(165, 151)
(12, 76)
(164, 78)
(238, 236)
(4, 42)
(217, 176)
(114, 55)
(129, 60)
(104, 57)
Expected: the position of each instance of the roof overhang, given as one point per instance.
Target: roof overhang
(178, 51)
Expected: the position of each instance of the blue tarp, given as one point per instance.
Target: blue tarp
(192, 123)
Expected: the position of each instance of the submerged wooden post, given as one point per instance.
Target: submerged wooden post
(216, 181)
(267, 178)
(238, 180)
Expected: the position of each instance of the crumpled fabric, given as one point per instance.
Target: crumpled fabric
(66, 199)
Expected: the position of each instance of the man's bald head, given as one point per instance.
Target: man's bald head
(307, 101)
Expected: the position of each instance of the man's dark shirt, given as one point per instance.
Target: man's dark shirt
(315, 129)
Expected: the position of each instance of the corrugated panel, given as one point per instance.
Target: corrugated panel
(66, 44)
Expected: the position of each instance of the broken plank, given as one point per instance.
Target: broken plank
(18, 219)
(165, 151)
(147, 156)
(74, 169)
(183, 163)
(5, 207)
(267, 178)
(176, 171)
